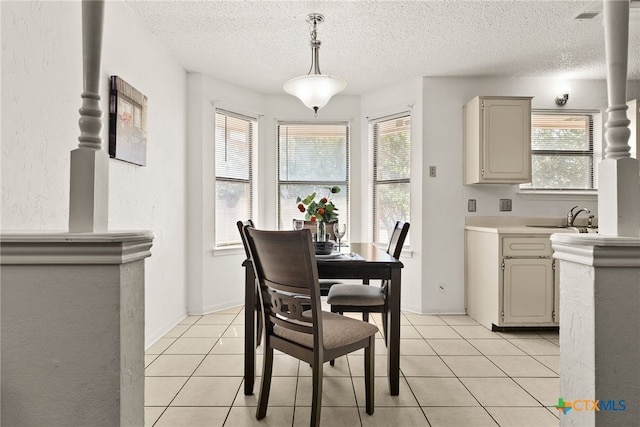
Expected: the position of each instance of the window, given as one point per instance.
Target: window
(234, 136)
(311, 156)
(391, 174)
(565, 148)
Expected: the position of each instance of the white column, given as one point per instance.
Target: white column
(618, 186)
(89, 189)
(73, 328)
(599, 322)
(600, 273)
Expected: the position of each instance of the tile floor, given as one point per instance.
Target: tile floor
(454, 373)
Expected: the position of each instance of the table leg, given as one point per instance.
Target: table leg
(393, 332)
(249, 330)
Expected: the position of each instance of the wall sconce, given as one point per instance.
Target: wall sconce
(563, 97)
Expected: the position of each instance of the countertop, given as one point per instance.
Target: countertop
(520, 229)
(522, 225)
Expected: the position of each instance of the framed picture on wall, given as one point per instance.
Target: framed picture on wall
(127, 123)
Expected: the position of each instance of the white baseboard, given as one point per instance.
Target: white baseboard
(220, 307)
(152, 338)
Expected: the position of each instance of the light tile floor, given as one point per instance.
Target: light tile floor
(454, 373)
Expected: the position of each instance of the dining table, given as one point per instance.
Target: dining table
(363, 261)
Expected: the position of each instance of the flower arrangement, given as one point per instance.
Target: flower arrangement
(323, 210)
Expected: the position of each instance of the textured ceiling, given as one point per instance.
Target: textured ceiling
(261, 44)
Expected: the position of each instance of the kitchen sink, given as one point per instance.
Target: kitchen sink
(550, 226)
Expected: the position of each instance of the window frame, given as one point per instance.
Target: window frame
(344, 212)
(373, 126)
(594, 153)
(252, 141)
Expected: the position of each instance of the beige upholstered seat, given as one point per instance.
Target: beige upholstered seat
(356, 295)
(285, 266)
(335, 332)
(368, 299)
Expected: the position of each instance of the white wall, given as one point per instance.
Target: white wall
(445, 198)
(390, 100)
(41, 87)
(215, 278)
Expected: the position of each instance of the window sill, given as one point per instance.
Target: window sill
(589, 195)
(228, 250)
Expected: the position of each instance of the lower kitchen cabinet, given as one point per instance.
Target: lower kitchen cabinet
(510, 279)
(528, 291)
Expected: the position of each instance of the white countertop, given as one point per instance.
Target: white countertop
(519, 225)
(520, 229)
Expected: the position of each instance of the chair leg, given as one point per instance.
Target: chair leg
(334, 309)
(259, 327)
(385, 313)
(365, 316)
(316, 400)
(265, 386)
(369, 374)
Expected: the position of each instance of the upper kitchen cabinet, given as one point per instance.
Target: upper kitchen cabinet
(497, 140)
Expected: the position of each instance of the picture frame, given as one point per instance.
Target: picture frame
(127, 123)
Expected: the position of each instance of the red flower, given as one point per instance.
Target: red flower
(313, 219)
(323, 200)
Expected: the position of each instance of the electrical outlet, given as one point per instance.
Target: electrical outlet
(471, 205)
(441, 288)
(505, 205)
(432, 171)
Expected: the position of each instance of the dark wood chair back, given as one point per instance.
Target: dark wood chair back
(398, 236)
(285, 265)
(241, 225)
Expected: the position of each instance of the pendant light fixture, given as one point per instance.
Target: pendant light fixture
(315, 89)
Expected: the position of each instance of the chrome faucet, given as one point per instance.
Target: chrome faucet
(571, 215)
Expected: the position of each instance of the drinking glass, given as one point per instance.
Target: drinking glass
(298, 224)
(339, 230)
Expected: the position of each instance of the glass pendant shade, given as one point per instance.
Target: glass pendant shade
(315, 90)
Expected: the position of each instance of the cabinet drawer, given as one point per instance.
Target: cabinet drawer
(526, 247)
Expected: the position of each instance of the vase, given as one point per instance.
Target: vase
(321, 234)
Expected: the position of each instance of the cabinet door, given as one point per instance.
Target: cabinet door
(528, 291)
(506, 136)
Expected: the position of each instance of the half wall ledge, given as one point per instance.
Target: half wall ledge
(72, 321)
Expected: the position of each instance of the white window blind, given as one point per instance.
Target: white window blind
(234, 134)
(391, 174)
(312, 156)
(565, 149)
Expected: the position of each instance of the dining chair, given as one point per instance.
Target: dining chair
(345, 298)
(284, 263)
(325, 284)
(241, 225)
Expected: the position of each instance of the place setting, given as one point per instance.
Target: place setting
(329, 250)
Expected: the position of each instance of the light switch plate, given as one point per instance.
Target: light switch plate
(471, 205)
(505, 205)
(432, 171)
